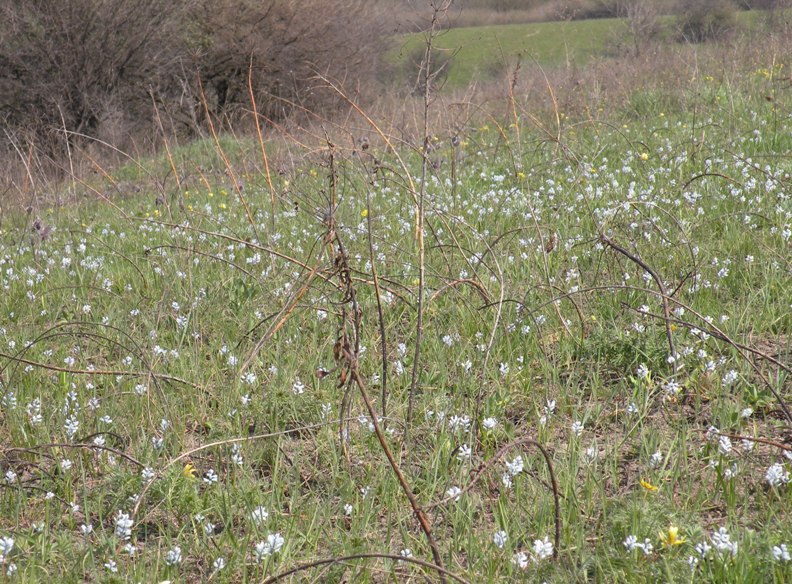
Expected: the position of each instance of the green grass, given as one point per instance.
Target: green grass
(126, 328)
(484, 53)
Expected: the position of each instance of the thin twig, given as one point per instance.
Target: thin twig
(336, 560)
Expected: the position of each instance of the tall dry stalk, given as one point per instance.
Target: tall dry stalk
(428, 75)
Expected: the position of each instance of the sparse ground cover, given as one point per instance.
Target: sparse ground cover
(173, 380)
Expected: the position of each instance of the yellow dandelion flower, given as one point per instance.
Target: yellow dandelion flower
(364, 213)
(648, 486)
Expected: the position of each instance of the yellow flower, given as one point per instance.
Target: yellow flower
(644, 156)
(648, 486)
(364, 213)
(671, 538)
(189, 471)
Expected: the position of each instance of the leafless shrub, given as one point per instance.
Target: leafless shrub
(642, 21)
(99, 68)
(706, 20)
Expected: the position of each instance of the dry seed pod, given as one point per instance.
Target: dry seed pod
(551, 242)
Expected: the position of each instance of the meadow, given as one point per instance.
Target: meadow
(535, 347)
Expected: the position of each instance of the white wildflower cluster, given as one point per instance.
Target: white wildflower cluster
(777, 475)
(722, 543)
(513, 468)
(542, 549)
(631, 543)
(123, 525)
(547, 411)
(271, 545)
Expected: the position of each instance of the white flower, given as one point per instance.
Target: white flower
(776, 475)
(10, 477)
(459, 423)
(577, 428)
(148, 474)
(218, 564)
(543, 549)
(71, 426)
(520, 559)
(506, 479)
(723, 543)
(499, 539)
(210, 477)
(672, 387)
(111, 566)
(173, 557)
(489, 423)
(632, 409)
(299, 387)
(406, 553)
(272, 545)
(516, 466)
(630, 543)
(464, 452)
(703, 549)
(454, 493)
(724, 445)
(348, 509)
(781, 553)
(6, 545)
(259, 515)
(86, 529)
(656, 459)
(504, 369)
(730, 377)
(123, 525)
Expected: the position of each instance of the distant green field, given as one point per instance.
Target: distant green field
(481, 53)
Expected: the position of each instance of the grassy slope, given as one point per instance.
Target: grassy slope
(101, 293)
(482, 53)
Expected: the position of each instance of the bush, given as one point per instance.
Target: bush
(707, 20)
(99, 67)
